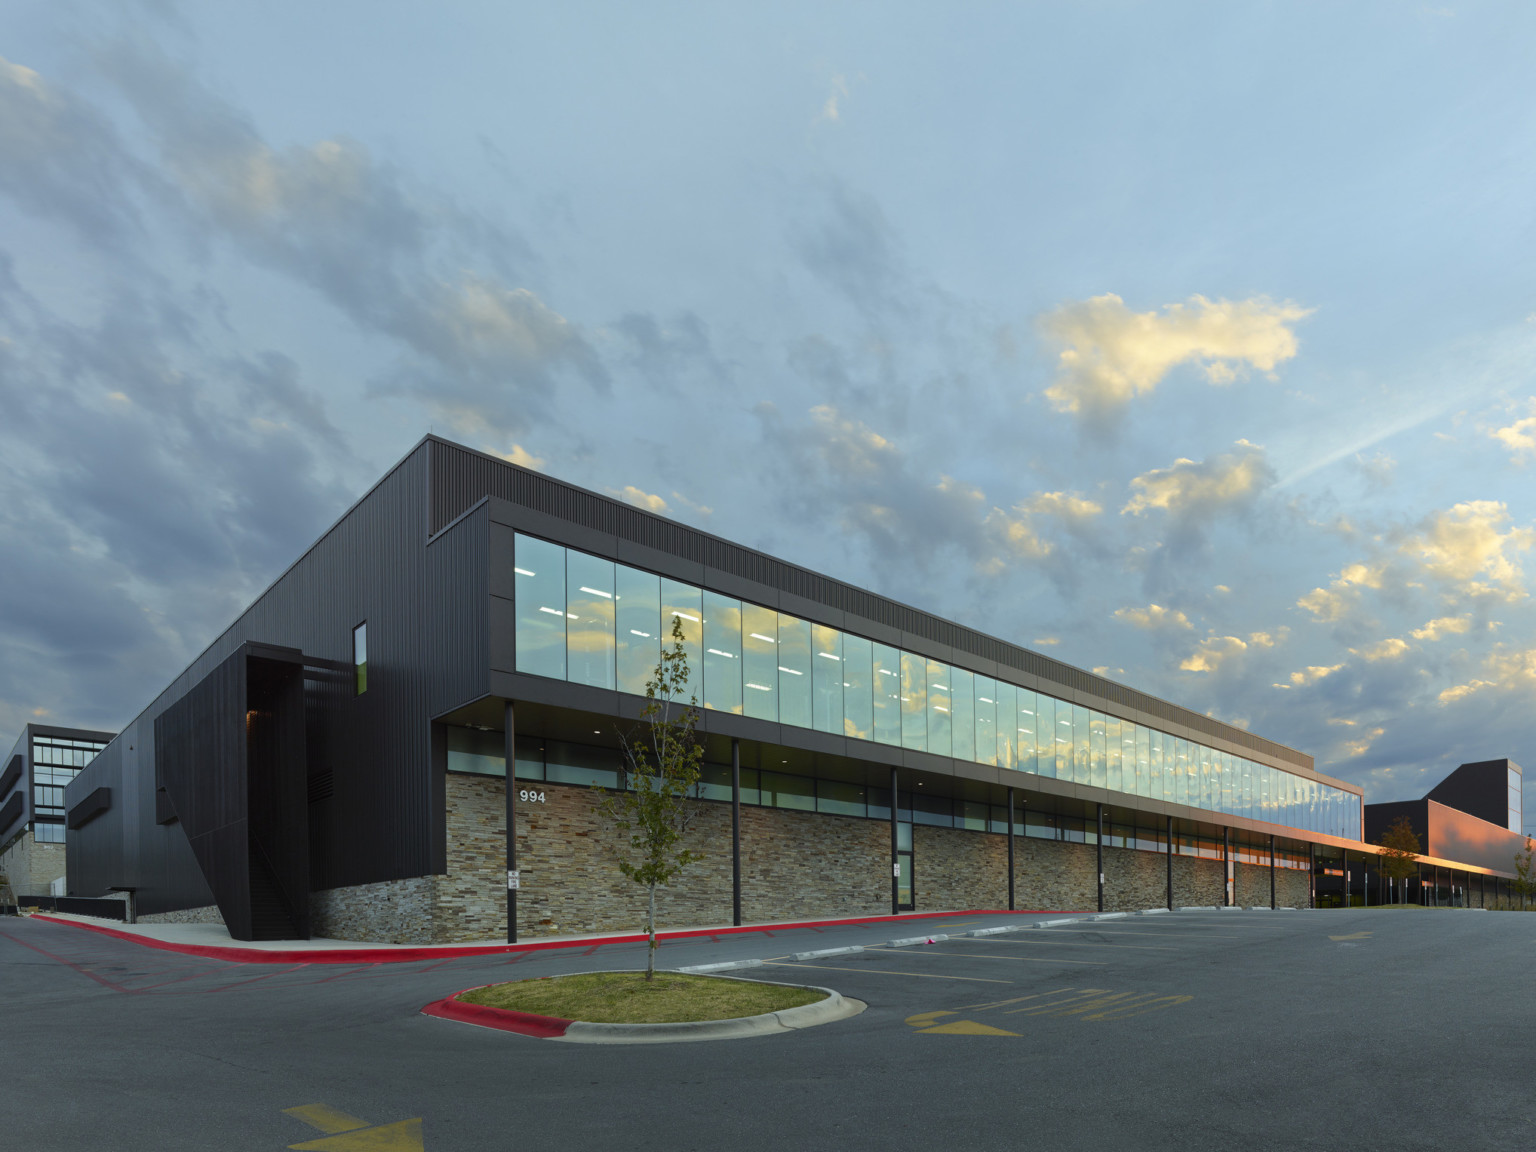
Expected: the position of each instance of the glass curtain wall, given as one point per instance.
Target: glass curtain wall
(594, 622)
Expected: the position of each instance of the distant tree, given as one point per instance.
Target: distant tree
(1400, 850)
(1525, 872)
(662, 767)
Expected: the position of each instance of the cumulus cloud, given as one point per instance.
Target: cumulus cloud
(1215, 651)
(1443, 626)
(1312, 674)
(642, 499)
(1505, 668)
(1110, 355)
(1154, 617)
(1391, 648)
(1519, 436)
(1196, 491)
(1470, 551)
(1362, 744)
(1465, 547)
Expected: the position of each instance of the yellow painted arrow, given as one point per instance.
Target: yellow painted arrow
(967, 1028)
(349, 1134)
(1351, 936)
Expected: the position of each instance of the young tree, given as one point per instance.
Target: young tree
(1399, 850)
(662, 762)
(1525, 872)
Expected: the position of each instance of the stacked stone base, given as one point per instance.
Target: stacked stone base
(795, 865)
(32, 867)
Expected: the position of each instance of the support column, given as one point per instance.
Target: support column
(1272, 873)
(1346, 903)
(1170, 863)
(1311, 874)
(895, 857)
(1099, 854)
(509, 734)
(736, 832)
(1010, 849)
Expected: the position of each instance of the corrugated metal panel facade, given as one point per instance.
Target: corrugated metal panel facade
(461, 477)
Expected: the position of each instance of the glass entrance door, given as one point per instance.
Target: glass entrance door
(904, 900)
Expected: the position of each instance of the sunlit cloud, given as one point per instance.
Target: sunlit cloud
(1361, 746)
(1443, 626)
(1154, 617)
(1391, 648)
(1312, 674)
(1506, 669)
(642, 499)
(1110, 355)
(1214, 651)
(1198, 490)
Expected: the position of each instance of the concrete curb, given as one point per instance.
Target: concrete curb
(909, 941)
(722, 966)
(832, 1008)
(1153, 912)
(820, 952)
(404, 954)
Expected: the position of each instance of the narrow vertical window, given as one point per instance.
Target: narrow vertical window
(360, 656)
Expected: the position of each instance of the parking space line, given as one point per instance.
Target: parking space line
(888, 972)
(1138, 932)
(1085, 944)
(989, 956)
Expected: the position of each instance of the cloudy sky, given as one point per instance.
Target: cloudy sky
(1192, 343)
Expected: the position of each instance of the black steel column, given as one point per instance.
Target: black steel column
(1311, 875)
(1346, 878)
(1010, 849)
(1272, 873)
(1170, 863)
(736, 832)
(895, 856)
(1099, 855)
(509, 734)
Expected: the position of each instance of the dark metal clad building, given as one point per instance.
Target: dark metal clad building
(334, 762)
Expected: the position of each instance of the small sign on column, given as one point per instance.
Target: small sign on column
(514, 881)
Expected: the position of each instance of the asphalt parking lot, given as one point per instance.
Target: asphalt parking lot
(1392, 1029)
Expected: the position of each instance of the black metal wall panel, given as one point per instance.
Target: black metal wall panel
(461, 477)
(10, 814)
(200, 762)
(375, 808)
(1480, 789)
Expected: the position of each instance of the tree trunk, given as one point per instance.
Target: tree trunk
(650, 932)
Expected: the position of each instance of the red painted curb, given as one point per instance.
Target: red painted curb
(367, 955)
(505, 1019)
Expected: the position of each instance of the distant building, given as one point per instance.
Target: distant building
(1474, 815)
(32, 816)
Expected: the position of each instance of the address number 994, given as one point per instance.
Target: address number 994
(529, 796)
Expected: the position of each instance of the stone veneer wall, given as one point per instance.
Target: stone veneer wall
(32, 867)
(208, 914)
(1293, 888)
(794, 865)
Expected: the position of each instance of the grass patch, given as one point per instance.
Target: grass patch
(628, 998)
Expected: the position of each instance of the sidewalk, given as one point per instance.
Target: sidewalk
(214, 941)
